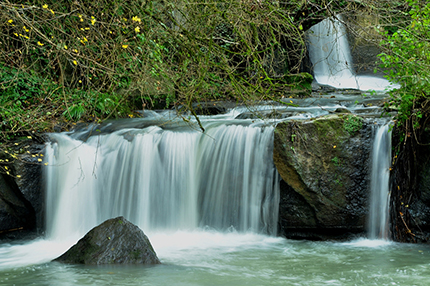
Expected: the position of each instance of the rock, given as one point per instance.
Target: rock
(16, 214)
(115, 241)
(30, 181)
(342, 110)
(418, 205)
(209, 108)
(324, 163)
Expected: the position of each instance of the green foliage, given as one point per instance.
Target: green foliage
(407, 59)
(336, 161)
(352, 123)
(30, 103)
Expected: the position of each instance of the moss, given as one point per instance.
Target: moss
(330, 130)
(352, 124)
(135, 255)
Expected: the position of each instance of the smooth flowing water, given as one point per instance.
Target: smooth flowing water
(214, 258)
(164, 179)
(208, 203)
(380, 176)
(330, 54)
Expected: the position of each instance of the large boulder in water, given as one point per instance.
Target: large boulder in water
(115, 241)
(324, 166)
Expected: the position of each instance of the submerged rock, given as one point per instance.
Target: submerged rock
(115, 241)
(324, 166)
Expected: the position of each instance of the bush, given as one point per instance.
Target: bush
(407, 58)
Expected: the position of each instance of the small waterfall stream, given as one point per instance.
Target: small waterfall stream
(164, 179)
(380, 176)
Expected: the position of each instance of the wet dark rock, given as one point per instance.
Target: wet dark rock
(115, 241)
(325, 170)
(16, 213)
(30, 181)
(209, 108)
(342, 110)
(267, 114)
(21, 192)
(418, 205)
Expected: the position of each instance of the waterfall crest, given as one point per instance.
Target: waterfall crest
(164, 179)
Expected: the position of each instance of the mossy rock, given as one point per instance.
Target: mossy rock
(327, 167)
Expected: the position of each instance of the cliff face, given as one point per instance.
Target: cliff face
(324, 166)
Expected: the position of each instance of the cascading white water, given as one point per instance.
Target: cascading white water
(380, 176)
(330, 54)
(164, 180)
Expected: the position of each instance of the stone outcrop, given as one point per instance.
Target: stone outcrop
(16, 213)
(21, 191)
(324, 166)
(410, 220)
(115, 241)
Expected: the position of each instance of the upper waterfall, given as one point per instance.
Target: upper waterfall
(330, 54)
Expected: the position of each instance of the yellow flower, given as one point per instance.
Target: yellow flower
(10, 21)
(137, 29)
(40, 44)
(65, 47)
(45, 6)
(75, 50)
(93, 20)
(124, 46)
(135, 19)
(39, 160)
(46, 164)
(52, 12)
(75, 63)
(18, 176)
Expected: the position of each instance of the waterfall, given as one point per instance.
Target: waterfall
(330, 55)
(164, 179)
(380, 175)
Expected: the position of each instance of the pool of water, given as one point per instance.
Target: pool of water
(213, 258)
